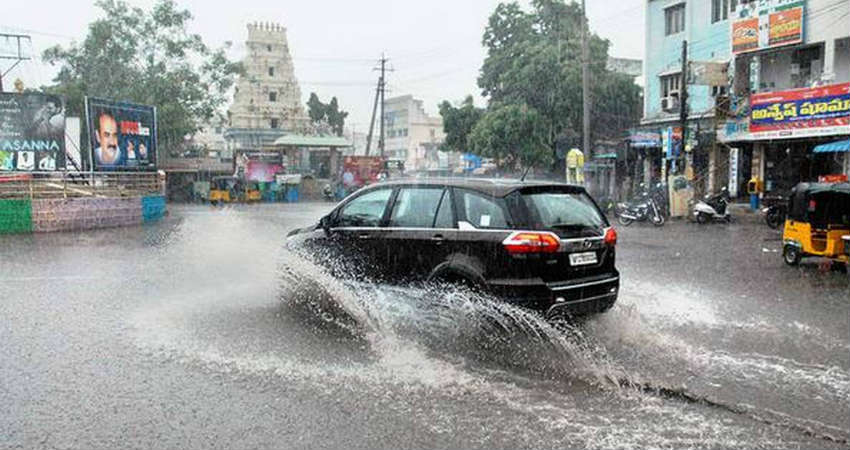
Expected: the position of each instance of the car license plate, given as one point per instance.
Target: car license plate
(583, 259)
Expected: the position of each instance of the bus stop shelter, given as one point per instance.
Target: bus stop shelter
(301, 152)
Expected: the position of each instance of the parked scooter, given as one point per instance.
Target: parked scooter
(329, 192)
(642, 209)
(713, 208)
(775, 211)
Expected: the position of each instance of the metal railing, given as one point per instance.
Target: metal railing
(52, 185)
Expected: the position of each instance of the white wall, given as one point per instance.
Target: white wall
(842, 60)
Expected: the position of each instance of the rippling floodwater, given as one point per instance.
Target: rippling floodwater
(669, 366)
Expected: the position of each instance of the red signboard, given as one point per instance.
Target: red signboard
(358, 171)
(767, 24)
(802, 112)
(745, 35)
(786, 27)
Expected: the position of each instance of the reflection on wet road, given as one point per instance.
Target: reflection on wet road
(205, 331)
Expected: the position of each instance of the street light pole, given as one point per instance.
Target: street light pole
(585, 80)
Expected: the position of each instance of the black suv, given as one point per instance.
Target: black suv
(543, 246)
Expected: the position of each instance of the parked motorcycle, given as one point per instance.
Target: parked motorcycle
(640, 210)
(713, 208)
(329, 192)
(775, 211)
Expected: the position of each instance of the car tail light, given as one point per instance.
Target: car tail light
(532, 242)
(611, 237)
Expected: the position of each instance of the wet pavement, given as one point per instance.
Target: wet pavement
(195, 333)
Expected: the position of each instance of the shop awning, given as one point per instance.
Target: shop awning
(644, 139)
(294, 140)
(834, 147)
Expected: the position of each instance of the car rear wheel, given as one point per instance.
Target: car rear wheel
(457, 281)
(792, 255)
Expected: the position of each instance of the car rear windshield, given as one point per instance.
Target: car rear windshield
(568, 213)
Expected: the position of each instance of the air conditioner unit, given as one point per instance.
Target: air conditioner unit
(670, 103)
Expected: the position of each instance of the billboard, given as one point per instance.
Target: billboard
(801, 112)
(122, 136)
(262, 171)
(745, 35)
(785, 27)
(766, 24)
(32, 132)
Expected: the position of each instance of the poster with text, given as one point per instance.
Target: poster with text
(764, 24)
(32, 132)
(122, 135)
(820, 111)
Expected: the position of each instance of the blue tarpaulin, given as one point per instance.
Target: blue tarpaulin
(834, 147)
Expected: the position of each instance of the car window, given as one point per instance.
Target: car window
(557, 208)
(416, 207)
(366, 210)
(445, 215)
(482, 211)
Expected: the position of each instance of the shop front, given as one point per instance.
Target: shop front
(794, 136)
(644, 157)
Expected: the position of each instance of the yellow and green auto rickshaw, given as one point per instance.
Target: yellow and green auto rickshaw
(252, 192)
(223, 190)
(818, 223)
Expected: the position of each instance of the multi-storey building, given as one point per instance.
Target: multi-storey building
(790, 90)
(766, 82)
(412, 135)
(699, 31)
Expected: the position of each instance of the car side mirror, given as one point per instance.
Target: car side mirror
(325, 223)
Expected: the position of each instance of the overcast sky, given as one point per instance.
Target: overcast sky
(434, 46)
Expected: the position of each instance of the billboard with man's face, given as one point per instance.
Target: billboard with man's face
(32, 132)
(122, 135)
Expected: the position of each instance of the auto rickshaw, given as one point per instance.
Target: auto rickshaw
(252, 192)
(818, 223)
(222, 190)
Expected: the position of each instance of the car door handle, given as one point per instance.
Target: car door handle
(438, 238)
(364, 237)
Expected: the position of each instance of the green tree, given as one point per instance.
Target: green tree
(146, 57)
(534, 59)
(336, 117)
(458, 123)
(329, 114)
(315, 108)
(513, 134)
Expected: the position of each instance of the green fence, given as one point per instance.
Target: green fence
(15, 216)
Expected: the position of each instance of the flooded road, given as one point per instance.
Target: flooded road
(203, 331)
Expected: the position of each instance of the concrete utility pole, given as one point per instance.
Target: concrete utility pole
(383, 84)
(585, 80)
(17, 57)
(379, 95)
(372, 122)
(683, 99)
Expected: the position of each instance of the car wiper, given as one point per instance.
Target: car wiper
(575, 226)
